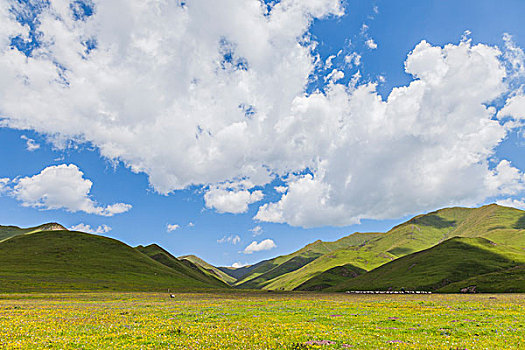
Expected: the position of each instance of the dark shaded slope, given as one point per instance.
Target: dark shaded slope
(510, 280)
(331, 277)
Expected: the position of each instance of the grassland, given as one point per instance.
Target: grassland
(261, 321)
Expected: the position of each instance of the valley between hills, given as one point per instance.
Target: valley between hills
(442, 251)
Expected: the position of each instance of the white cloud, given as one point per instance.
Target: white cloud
(514, 203)
(229, 239)
(353, 59)
(257, 230)
(191, 224)
(172, 227)
(207, 95)
(514, 108)
(427, 146)
(280, 189)
(4, 182)
(61, 187)
(88, 229)
(514, 57)
(31, 145)
(371, 44)
(267, 244)
(238, 265)
(231, 201)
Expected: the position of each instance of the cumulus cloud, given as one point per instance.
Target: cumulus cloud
(231, 201)
(197, 94)
(426, 146)
(88, 229)
(229, 239)
(31, 144)
(172, 227)
(266, 244)
(61, 187)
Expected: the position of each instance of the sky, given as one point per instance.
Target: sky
(245, 131)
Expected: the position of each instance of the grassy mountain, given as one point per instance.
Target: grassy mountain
(159, 254)
(502, 225)
(66, 260)
(265, 272)
(11, 231)
(453, 260)
(212, 270)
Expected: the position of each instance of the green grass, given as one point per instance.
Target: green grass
(226, 321)
(66, 260)
(451, 261)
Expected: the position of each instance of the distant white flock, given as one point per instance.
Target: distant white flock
(387, 292)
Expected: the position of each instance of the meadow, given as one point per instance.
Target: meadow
(261, 320)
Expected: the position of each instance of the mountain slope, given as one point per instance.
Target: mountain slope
(238, 272)
(510, 280)
(502, 225)
(212, 270)
(266, 271)
(66, 260)
(11, 231)
(451, 261)
(159, 254)
(331, 277)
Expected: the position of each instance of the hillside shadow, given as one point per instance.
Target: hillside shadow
(520, 224)
(434, 221)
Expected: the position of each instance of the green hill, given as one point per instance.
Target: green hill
(454, 260)
(66, 261)
(210, 269)
(11, 231)
(267, 271)
(159, 254)
(501, 225)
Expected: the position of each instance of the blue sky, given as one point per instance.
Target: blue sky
(244, 121)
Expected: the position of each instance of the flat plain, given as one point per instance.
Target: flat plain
(261, 320)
